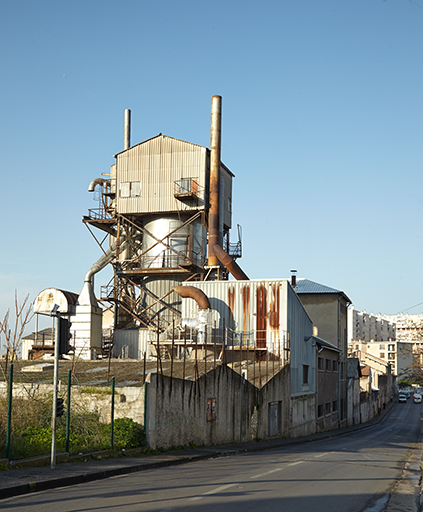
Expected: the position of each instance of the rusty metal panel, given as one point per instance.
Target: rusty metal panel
(156, 164)
(243, 306)
(271, 310)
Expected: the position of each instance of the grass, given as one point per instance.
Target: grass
(31, 430)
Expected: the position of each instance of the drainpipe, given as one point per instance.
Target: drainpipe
(215, 144)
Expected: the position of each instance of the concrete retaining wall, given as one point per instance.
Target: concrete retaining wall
(208, 411)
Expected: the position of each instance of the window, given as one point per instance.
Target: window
(320, 363)
(328, 365)
(130, 189)
(391, 355)
(335, 366)
(327, 408)
(335, 405)
(382, 346)
(320, 410)
(391, 347)
(382, 355)
(305, 373)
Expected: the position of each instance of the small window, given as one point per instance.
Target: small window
(130, 189)
(382, 355)
(305, 373)
(320, 410)
(328, 365)
(125, 189)
(320, 363)
(335, 366)
(335, 405)
(327, 408)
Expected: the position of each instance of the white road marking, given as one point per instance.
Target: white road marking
(276, 470)
(213, 491)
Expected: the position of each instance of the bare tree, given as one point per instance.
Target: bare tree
(13, 337)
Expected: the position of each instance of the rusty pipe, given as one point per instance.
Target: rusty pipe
(215, 144)
(230, 264)
(190, 292)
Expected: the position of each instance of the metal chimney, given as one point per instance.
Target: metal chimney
(293, 278)
(127, 130)
(215, 141)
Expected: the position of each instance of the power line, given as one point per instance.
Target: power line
(409, 308)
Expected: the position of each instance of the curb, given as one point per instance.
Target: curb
(99, 475)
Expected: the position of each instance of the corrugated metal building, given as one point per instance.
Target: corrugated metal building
(265, 314)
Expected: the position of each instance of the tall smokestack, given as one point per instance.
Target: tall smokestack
(127, 130)
(215, 140)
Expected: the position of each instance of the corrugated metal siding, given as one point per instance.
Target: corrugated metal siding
(303, 352)
(245, 306)
(157, 164)
(131, 343)
(158, 288)
(270, 308)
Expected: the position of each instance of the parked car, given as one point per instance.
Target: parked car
(417, 399)
(402, 397)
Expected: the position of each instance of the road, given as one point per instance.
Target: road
(369, 470)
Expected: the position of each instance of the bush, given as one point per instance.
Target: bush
(127, 433)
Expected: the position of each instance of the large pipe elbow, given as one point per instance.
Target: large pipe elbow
(97, 181)
(191, 292)
(230, 264)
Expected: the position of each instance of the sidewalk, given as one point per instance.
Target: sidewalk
(24, 480)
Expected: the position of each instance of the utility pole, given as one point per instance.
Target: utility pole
(55, 313)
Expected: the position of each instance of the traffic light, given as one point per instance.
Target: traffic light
(60, 408)
(64, 336)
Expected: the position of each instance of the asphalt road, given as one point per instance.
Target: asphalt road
(368, 470)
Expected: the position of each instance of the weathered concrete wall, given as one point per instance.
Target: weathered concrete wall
(353, 402)
(303, 415)
(275, 395)
(208, 411)
(203, 412)
(129, 403)
(129, 400)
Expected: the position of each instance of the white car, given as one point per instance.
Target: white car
(402, 398)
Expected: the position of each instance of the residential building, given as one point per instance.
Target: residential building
(398, 354)
(327, 308)
(370, 327)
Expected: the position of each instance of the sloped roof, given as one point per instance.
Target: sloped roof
(353, 367)
(46, 332)
(307, 286)
(173, 138)
(322, 343)
(157, 136)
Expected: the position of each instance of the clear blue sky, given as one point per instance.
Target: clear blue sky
(321, 125)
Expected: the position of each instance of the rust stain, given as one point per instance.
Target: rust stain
(231, 304)
(274, 307)
(245, 292)
(261, 316)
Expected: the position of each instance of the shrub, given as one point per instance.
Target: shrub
(127, 433)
